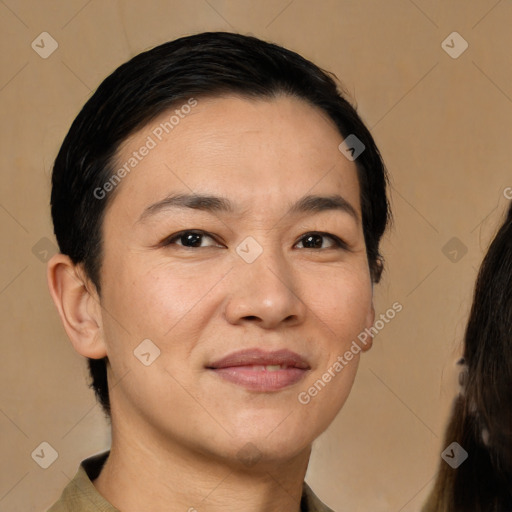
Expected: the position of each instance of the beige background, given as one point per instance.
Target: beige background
(444, 126)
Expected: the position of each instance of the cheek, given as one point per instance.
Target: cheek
(155, 304)
(159, 301)
(342, 307)
(342, 301)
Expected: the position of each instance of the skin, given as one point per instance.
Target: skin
(177, 428)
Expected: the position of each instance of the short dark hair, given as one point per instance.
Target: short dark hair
(206, 64)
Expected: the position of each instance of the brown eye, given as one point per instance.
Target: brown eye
(190, 239)
(315, 240)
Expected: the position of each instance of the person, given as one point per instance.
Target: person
(479, 477)
(218, 206)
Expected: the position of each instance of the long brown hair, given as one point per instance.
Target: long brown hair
(481, 418)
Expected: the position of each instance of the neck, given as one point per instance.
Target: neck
(147, 473)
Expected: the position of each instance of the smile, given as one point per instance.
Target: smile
(261, 371)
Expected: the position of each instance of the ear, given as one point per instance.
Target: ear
(78, 305)
(370, 319)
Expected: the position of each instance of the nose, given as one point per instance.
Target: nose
(265, 292)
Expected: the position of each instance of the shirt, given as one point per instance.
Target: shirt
(80, 495)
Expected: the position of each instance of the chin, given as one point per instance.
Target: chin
(271, 445)
(262, 454)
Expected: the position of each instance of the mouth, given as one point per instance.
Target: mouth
(262, 371)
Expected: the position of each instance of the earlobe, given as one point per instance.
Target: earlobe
(370, 319)
(78, 305)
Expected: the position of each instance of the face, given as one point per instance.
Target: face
(248, 296)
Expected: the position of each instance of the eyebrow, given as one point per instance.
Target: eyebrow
(212, 204)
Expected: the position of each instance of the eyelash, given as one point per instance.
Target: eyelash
(338, 242)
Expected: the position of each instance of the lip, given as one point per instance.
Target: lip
(247, 368)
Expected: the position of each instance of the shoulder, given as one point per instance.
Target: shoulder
(80, 495)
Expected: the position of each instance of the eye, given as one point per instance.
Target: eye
(197, 239)
(190, 239)
(315, 240)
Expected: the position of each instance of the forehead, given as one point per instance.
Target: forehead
(262, 153)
